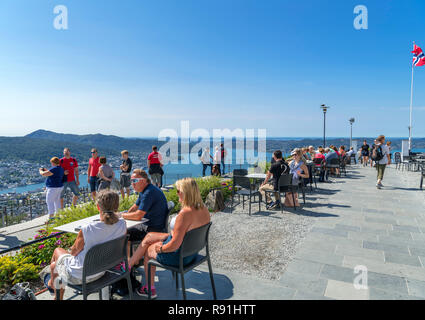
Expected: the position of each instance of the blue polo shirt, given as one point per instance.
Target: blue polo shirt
(55, 181)
(152, 200)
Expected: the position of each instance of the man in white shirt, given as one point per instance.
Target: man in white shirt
(206, 160)
(381, 163)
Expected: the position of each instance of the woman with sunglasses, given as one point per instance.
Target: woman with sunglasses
(165, 247)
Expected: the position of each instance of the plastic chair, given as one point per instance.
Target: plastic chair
(193, 242)
(285, 185)
(246, 191)
(100, 258)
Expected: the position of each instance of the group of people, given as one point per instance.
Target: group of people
(216, 162)
(64, 174)
(152, 210)
(365, 152)
(296, 166)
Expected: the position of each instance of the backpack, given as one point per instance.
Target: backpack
(377, 153)
(20, 291)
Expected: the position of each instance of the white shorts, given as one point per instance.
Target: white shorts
(62, 270)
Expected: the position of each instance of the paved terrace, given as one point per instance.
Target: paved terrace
(311, 253)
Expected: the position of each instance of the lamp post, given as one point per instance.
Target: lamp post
(351, 134)
(325, 108)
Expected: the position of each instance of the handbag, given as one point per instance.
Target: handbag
(20, 291)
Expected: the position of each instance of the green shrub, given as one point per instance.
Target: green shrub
(14, 269)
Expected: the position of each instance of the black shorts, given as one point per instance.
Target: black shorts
(139, 234)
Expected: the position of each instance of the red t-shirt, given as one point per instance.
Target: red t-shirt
(154, 157)
(95, 165)
(70, 165)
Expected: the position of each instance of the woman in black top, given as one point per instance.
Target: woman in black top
(365, 153)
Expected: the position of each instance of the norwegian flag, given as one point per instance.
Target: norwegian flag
(418, 57)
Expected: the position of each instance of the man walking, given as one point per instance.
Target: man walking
(92, 172)
(125, 173)
(381, 156)
(70, 167)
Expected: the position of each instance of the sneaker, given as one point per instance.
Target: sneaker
(143, 292)
(275, 205)
(378, 186)
(121, 267)
(270, 204)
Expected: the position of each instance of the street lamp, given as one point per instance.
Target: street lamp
(325, 108)
(351, 135)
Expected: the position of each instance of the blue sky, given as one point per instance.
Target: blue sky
(134, 68)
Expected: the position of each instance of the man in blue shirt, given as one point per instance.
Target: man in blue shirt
(150, 208)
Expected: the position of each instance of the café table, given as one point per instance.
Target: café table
(75, 226)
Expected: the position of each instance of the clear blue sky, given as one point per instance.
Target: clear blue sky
(133, 68)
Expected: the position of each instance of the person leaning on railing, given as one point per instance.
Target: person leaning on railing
(69, 264)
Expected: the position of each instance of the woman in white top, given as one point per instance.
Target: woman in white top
(69, 264)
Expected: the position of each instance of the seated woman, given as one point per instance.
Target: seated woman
(299, 171)
(342, 151)
(164, 247)
(69, 264)
(319, 161)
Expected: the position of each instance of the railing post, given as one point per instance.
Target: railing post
(30, 203)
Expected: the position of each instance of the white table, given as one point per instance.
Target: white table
(256, 176)
(75, 227)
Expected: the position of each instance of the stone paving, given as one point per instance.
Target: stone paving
(380, 230)
(356, 226)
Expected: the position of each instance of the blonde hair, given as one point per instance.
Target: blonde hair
(124, 152)
(191, 195)
(108, 202)
(55, 160)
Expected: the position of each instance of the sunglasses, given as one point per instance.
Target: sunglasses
(94, 152)
(135, 180)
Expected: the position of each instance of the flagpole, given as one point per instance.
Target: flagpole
(411, 108)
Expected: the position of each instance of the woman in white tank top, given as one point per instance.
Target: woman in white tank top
(69, 264)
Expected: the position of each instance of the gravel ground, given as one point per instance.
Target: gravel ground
(261, 244)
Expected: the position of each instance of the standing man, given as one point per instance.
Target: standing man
(125, 167)
(206, 160)
(223, 156)
(92, 172)
(154, 166)
(70, 167)
(381, 156)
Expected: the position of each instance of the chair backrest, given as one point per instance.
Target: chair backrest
(285, 180)
(195, 240)
(104, 256)
(397, 157)
(240, 172)
(170, 205)
(241, 181)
